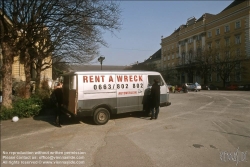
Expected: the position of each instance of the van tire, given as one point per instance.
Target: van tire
(101, 116)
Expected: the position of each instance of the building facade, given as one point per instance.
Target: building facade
(230, 27)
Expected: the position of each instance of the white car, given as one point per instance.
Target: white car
(193, 86)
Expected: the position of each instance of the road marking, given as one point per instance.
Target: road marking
(219, 127)
(245, 100)
(31, 133)
(208, 104)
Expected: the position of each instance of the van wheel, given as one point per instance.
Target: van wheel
(101, 116)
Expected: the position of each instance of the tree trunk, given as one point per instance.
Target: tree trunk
(27, 69)
(38, 74)
(7, 75)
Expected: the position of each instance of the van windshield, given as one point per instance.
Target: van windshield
(152, 77)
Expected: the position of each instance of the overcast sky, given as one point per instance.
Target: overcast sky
(143, 24)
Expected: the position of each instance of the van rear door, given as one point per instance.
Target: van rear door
(164, 97)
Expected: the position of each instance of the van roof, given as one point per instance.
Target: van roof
(112, 72)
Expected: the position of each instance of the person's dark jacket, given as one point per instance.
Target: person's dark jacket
(155, 95)
(58, 95)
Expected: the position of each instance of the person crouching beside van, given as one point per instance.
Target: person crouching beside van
(59, 101)
(155, 99)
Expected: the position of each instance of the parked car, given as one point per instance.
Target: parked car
(246, 87)
(232, 87)
(193, 86)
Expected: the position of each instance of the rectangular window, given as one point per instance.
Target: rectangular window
(172, 56)
(209, 45)
(237, 73)
(237, 39)
(209, 34)
(164, 59)
(217, 31)
(199, 37)
(168, 57)
(227, 42)
(227, 28)
(237, 24)
(217, 44)
(209, 77)
(238, 52)
(227, 54)
(72, 82)
(237, 76)
(190, 40)
(218, 77)
(218, 57)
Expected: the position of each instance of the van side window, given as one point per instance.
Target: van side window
(151, 80)
(72, 82)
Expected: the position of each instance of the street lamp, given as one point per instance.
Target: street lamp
(100, 59)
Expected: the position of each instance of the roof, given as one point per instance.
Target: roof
(96, 67)
(234, 3)
(121, 72)
(155, 56)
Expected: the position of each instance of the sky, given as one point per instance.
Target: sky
(145, 22)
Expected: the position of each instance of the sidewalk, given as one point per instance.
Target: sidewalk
(24, 126)
(36, 124)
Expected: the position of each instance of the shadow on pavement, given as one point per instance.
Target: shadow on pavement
(48, 116)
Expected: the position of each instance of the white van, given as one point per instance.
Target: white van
(102, 93)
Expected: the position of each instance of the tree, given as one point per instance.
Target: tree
(169, 75)
(228, 61)
(73, 30)
(204, 62)
(8, 36)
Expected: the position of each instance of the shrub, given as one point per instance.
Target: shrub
(23, 108)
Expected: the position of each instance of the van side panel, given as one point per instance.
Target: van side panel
(87, 106)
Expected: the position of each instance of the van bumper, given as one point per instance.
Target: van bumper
(82, 113)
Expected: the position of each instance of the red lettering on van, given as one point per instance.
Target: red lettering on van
(135, 78)
(91, 79)
(119, 78)
(97, 78)
(131, 78)
(140, 78)
(111, 79)
(102, 78)
(125, 78)
(85, 79)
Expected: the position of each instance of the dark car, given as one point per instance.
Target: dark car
(246, 87)
(232, 87)
(210, 87)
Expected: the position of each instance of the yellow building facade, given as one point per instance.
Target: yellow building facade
(230, 27)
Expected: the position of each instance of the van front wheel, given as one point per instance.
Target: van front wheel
(101, 116)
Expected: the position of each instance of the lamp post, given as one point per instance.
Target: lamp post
(100, 59)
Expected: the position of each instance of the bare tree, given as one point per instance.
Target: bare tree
(204, 62)
(8, 36)
(228, 62)
(73, 28)
(170, 75)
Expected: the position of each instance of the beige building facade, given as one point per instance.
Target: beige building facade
(230, 27)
